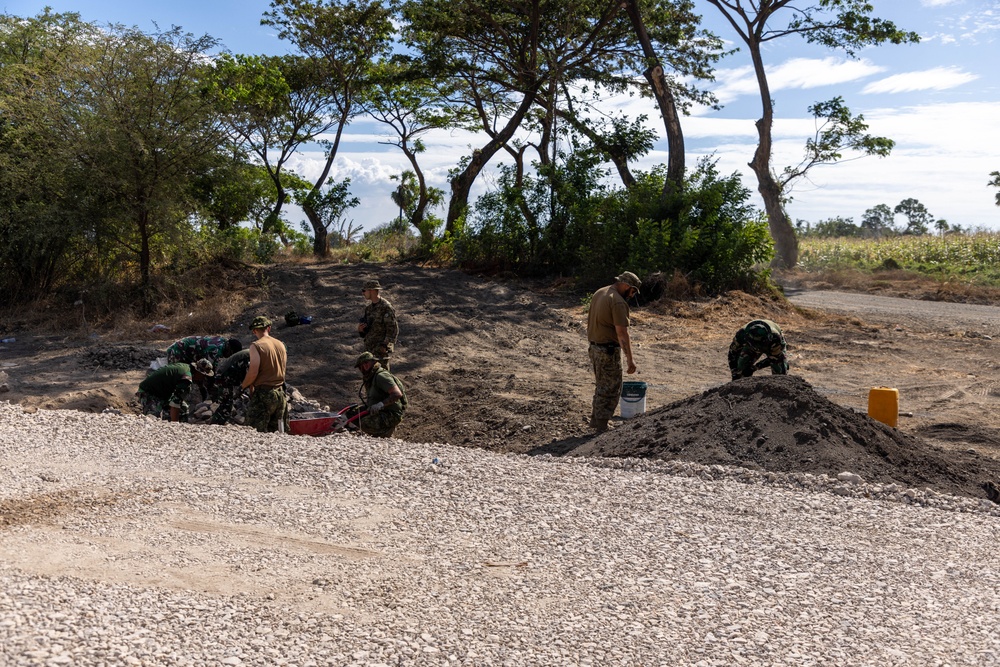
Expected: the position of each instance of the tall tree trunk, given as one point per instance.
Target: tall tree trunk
(664, 99)
(321, 241)
(145, 262)
(461, 184)
(786, 246)
(420, 210)
(319, 229)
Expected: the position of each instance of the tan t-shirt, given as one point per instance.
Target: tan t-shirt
(607, 310)
(273, 357)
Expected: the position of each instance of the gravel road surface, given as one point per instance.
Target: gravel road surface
(146, 543)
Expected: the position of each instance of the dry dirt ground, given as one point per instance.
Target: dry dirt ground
(502, 365)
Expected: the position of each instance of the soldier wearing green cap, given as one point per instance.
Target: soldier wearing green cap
(378, 325)
(265, 379)
(384, 397)
(757, 338)
(607, 330)
(164, 392)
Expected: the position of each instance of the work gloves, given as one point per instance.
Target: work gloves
(376, 408)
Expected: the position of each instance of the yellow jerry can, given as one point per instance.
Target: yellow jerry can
(883, 405)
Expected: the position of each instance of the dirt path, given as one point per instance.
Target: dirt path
(928, 315)
(502, 365)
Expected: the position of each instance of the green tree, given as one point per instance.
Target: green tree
(995, 183)
(917, 216)
(837, 130)
(836, 227)
(152, 131)
(342, 40)
(44, 212)
(845, 25)
(273, 105)
(411, 103)
(942, 226)
(329, 207)
(878, 221)
(506, 57)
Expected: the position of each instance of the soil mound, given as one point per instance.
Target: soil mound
(781, 424)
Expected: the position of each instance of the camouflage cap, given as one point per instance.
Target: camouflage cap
(758, 332)
(260, 322)
(204, 366)
(365, 356)
(371, 284)
(629, 279)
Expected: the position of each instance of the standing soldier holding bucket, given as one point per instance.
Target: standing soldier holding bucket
(607, 330)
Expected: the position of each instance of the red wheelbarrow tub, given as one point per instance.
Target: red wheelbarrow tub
(313, 423)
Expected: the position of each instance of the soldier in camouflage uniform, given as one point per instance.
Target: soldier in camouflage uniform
(607, 329)
(193, 348)
(760, 337)
(384, 398)
(378, 325)
(265, 378)
(164, 392)
(229, 376)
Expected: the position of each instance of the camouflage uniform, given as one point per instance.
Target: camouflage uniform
(608, 310)
(229, 377)
(607, 363)
(760, 337)
(166, 387)
(377, 385)
(380, 327)
(193, 348)
(268, 407)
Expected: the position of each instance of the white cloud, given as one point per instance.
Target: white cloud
(796, 73)
(937, 3)
(936, 78)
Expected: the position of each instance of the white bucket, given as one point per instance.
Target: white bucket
(633, 399)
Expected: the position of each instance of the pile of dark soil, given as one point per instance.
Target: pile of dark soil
(781, 424)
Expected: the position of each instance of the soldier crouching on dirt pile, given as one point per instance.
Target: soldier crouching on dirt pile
(760, 337)
(164, 392)
(384, 397)
(607, 330)
(378, 325)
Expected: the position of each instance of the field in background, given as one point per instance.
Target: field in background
(974, 259)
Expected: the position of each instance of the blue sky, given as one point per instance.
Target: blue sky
(939, 100)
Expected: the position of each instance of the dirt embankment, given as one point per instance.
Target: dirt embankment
(502, 365)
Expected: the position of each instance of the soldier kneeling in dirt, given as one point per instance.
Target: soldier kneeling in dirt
(164, 392)
(384, 397)
(760, 337)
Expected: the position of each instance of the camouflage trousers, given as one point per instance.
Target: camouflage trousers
(382, 425)
(267, 410)
(608, 376)
(158, 407)
(743, 362)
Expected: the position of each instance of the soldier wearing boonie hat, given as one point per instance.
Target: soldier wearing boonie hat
(757, 338)
(385, 399)
(378, 325)
(607, 331)
(265, 378)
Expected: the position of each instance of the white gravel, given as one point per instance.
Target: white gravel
(191, 545)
